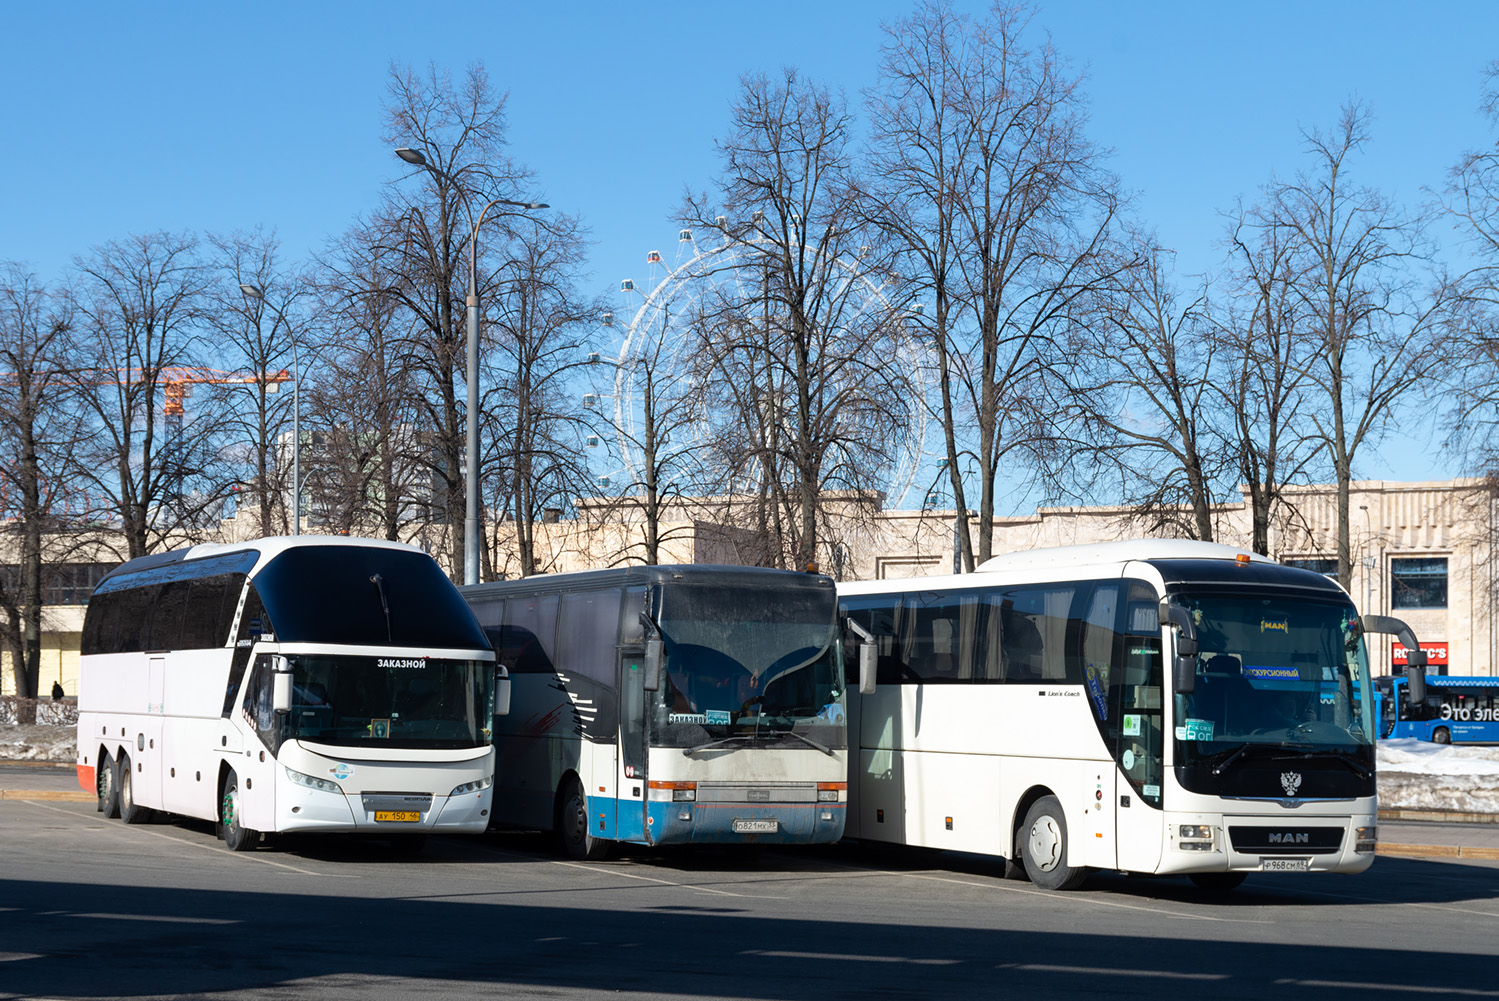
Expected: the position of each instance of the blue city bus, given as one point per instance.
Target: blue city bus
(1454, 711)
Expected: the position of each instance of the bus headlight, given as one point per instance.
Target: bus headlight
(1365, 840)
(831, 792)
(1195, 837)
(674, 792)
(312, 782)
(468, 787)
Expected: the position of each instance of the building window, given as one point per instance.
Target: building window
(1418, 582)
(62, 583)
(1316, 564)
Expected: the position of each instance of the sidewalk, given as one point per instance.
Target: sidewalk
(1402, 833)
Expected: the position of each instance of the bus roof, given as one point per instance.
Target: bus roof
(268, 547)
(1124, 551)
(639, 575)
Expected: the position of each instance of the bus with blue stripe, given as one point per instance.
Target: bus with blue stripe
(661, 705)
(1454, 710)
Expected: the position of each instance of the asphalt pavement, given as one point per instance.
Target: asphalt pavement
(1402, 835)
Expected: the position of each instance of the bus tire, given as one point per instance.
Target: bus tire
(1442, 735)
(572, 827)
(237, 838)
(106, 786)
(1044, 847)
(131, 812)
(1217, 882)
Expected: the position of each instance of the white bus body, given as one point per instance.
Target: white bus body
(1035, 710)
(669, 705)
(287, 684)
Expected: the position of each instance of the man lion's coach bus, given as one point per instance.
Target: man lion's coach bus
(669, 705)
(1154, 706)
(288, 684)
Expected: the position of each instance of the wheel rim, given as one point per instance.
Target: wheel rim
(577, 828)
(104, 783)
(127, 800)
(1046, 843)
(230, 813)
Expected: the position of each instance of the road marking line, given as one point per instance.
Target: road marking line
(246, 856)
(648, 879)
(844, 957)
(1344, 985)
(1112, 971)
(1074, 899)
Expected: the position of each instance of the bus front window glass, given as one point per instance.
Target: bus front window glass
(1279, 671)
(741, 659)
(392, 700)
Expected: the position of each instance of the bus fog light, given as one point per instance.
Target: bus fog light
(684, 815)
(1196, 846)
(312, 782)
(1365, 840)
(469, 787)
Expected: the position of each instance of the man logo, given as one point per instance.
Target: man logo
(1290, 782)
(1290, 839)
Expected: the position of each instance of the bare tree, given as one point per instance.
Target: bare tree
(460, 132)
(796, 344)
(995, 199)
(532, 405)
(1376, 332)
(39, 429)
(139, 302)
(256, 333)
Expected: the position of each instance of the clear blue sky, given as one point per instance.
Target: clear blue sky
(124, 118)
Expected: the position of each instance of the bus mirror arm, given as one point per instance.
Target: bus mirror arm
(281, 685)
(868, 654)
(1185, 675)
(501, 691)
(1415, 657)
(653, 657)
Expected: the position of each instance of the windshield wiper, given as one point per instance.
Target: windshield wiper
(730, 739)
(808, 740)
(1359, 767)
(1229, 758)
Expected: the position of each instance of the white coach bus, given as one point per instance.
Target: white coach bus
(288, 684)
(670, 705)
(1027, 711)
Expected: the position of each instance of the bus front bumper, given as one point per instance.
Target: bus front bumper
(1205, 843)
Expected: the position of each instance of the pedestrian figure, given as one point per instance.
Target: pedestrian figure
(57, 692)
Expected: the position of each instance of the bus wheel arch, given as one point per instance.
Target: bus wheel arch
(571, 822)
(237, 837)
(1045, 846)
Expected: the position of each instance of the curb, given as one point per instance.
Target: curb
(1438, 817)
(1437, 851)
(50, 795)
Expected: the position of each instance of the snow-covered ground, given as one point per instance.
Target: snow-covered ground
(1413, 774)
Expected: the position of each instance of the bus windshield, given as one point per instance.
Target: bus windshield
(1279, 670)
(742, 659)
(390, 701)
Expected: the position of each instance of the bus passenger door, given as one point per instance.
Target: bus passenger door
(1138, 703)
(630, 777)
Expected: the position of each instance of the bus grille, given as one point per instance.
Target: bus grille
(1286, 840)
(421, 802)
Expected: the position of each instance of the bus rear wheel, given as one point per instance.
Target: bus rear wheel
(1442, 735)
(572, 826)
(1044, 847)
(237, 838)
(105, 786)
(131, 812)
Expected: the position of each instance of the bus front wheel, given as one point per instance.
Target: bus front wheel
(1442, 735)
(1044, 847)
(572, 826)
(237, 838)
(105, 786)
(131, 812)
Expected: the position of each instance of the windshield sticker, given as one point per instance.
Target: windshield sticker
(1275, 626)
(1095, 675)
(832, 712)
(717, 717)
(1131, 725)
(1196, 729)
(407, 663)
(1152, 791)
(697, 718)
(1269, 673)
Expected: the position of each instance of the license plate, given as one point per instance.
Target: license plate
(398, 816)
(756, 826)
(1285, 864)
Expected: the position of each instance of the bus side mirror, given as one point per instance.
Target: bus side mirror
(867, 668)
(1415, 657)
(281, 685)
(501, 691)
(1185, 674)
(653, 657)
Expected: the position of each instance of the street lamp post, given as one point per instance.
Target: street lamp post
(471, 372)
(256, 292)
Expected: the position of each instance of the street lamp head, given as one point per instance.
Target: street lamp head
(251, 291)
(537, 205)
(412, 156)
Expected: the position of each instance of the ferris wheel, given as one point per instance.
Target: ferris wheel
(703, 277)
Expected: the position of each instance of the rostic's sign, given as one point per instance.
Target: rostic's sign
(1436, 654)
